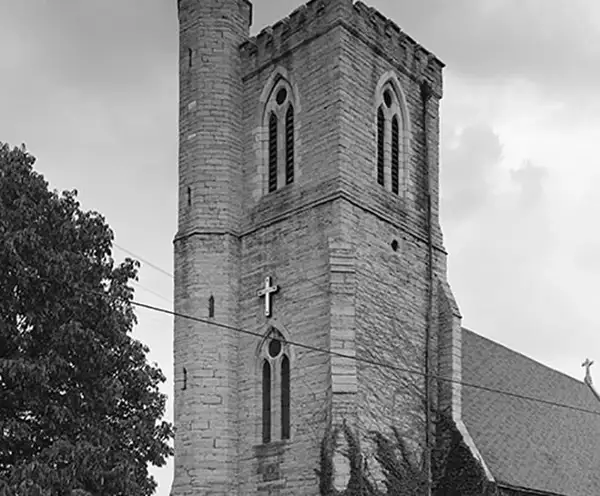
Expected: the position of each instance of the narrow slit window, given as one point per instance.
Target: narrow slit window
(190, 57)
(211, 306)
(395, 155)
(380, 146)
(289, 145)
(272, 152)
(184, 387)
(285, 398)
(266, 402)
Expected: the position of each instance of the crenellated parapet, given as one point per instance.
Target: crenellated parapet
(319, 16)
(307, 21)
(386, 38)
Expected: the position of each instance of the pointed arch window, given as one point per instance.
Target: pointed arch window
(275, 387)
(280, 124)
(289, 145)
(380, 146)
(285, 397)
(273, 152)
(392, 138)
(395, 154)
(266, 402)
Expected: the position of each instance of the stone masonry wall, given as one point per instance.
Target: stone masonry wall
(210, 131)
(362, 69)
(313, 74)
(285, 235)
(205, 398)
(326, 240)
(391, 308)
(294, 253)
(388, 232)
(207, 246)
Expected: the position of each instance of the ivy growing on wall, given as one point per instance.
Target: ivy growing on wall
(401, 470)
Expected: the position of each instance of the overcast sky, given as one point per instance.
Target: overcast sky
(91, 87)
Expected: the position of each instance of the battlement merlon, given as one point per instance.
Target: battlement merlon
(319, 16)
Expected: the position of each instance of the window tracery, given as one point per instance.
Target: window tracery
(281, 135)
(275, 387)
(392, 136)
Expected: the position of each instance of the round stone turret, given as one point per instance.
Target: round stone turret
(207, 244)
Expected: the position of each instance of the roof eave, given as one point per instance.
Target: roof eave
(525, 490)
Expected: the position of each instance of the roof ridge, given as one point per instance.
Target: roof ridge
(537, 362)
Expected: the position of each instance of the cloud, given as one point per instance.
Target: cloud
(504, 259)
(86, 43)
(553, 44)
(511, 271)
(514, 273)
(467, 170)
(582, 234)
(529, 178)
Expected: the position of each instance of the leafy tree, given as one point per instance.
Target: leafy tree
(80, 408)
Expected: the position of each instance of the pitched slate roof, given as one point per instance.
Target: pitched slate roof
(525, 443)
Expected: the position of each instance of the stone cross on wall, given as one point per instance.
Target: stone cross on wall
(587, 364)
(267, 291)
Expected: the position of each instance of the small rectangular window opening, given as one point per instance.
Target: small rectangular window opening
(211, 306)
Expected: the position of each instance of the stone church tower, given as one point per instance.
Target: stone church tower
(308, 215)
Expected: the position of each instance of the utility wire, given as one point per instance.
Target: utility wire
(334, 353)
(365, 360)
(145, 288)
(149, 264)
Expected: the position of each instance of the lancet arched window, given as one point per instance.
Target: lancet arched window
(266, 401)
(279, 124)
(380, 146)
(289, 145)
(392, 137)
(395, 154)
(275, 388)
(273, 150)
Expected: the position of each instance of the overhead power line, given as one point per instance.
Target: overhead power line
(366, 360)
(149, 264)
(341, 355)
(145, 288)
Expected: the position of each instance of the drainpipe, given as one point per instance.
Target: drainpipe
(426, 93)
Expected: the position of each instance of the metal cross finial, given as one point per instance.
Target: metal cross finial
(587, 364)
(267, 291)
